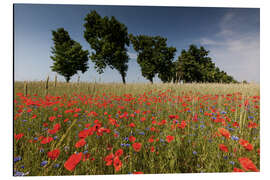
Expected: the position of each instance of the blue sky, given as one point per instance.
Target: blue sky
(231, 34)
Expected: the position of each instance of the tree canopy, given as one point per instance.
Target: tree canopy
(154, 57)
(108, 38)
(68, 55)
(194, 65)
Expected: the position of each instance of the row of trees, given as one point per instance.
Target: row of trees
(109, 39)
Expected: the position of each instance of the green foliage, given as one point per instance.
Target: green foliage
(194, 65)
(108, 38)
(154, 57)
(68, 55)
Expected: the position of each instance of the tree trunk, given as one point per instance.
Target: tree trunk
(123, 79)
(67, 79)
(151, 80)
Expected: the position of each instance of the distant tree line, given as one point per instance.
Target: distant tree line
(109, 39)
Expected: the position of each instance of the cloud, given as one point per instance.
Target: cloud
(235, 51)
(206, 41)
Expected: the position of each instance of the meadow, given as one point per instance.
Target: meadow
(97, 128)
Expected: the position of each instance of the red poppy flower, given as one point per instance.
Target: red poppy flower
(117, 163)
(52, 131)
(143, 119)
(252, 124)
(169, 138)
(83, 134)
(246, 144)
(151, 140)
(243, 142)
(72, 161)
(131, 125)
(247, 164)
(183, 124)
(80, 143)
(235, 124)
(137, 146)
(249, 147)
(53, 154)
(224, 132)
(46, 140)
(172, 116)
(237, 170)
(86, 157)
(65, 120)
(138, 172)
(52, 118)
(57, 126)
(131, 138)
(109, 159)
(152, 149)
(18, 136)
(223, 148)
(119, 152)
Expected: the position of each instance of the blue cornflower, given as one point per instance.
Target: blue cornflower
(141, 133)
(250, 117)
(162, 140)
(127, 145)
(226, 157)
(56, 165)
(35, 138)
(55, 137)
(235, 138)
(18, 173)
(43, 163)
(22, 167)
(16, 159)
(194, 152)
(232, 162)
(24, 120)
(223, 112)
(86, 151)
(126, 138)
(202, 126)
(41, 150)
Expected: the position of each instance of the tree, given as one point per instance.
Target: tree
(68, 55)
(194, 65)
(154, 57)
(108, 38)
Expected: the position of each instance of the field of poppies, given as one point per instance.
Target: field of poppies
(95, 128)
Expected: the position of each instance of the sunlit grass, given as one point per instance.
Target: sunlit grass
(195, 147)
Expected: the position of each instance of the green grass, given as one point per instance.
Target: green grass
(194, 148)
